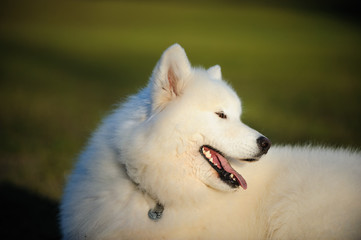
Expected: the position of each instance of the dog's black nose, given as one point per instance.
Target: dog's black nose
(264, 144)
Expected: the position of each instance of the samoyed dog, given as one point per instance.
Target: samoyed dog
(175, 162)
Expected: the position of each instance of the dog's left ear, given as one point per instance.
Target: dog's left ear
(170, 76)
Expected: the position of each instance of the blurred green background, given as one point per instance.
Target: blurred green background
(65, 64)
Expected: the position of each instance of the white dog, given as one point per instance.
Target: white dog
(175, 162)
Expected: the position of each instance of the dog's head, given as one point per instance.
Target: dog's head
(193, 128)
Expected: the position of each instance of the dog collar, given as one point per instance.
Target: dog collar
(154, 213)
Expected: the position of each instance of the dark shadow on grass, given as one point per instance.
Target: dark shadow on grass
(109, 73)
(25, 215)
(50, 57)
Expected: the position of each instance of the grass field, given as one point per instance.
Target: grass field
(64, 65)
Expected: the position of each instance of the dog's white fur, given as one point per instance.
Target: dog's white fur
(147, 151)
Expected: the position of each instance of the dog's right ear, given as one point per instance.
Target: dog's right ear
(215, 72)
(170, 76)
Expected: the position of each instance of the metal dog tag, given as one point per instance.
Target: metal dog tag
(156, 213)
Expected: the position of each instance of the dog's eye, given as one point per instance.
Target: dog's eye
(221, 115)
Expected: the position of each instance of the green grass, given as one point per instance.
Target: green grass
(65, 64)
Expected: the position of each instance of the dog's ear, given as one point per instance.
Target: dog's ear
(215, 72)
(170, 76)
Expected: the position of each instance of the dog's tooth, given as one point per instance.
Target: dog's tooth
(208, 154)
(231, 175)
(211, 160)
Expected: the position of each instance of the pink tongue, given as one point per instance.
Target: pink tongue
(226, 166)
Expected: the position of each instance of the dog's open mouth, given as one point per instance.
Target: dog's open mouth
(225, 171)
